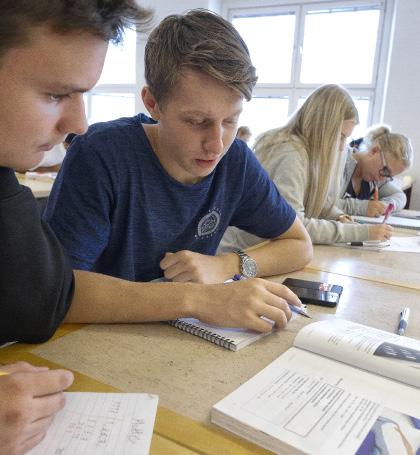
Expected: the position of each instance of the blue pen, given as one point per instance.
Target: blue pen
(238, 277)
(403, 322)
(299, 310)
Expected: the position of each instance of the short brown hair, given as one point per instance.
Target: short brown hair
(202, 40)
(103, 18)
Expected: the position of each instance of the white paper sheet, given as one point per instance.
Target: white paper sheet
(101, 424)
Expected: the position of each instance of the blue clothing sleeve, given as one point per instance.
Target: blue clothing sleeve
(261, 211)
(80, 204)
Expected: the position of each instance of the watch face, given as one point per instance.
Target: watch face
(249, 268)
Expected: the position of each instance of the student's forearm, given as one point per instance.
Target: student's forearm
(103, 299)
(291, 251)
(280, 256)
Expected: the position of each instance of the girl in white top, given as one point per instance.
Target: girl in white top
(371, 164)
(305, 159)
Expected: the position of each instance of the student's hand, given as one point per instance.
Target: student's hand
(380, 231)
(376, 208)
(242, 303)
(345, 219)
(29, 398)
(187, 266)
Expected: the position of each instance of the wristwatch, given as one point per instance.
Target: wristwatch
(247, 267)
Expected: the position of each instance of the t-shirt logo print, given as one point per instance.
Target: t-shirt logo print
(208, 224)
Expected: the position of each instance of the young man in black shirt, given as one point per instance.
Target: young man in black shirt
(50, 54)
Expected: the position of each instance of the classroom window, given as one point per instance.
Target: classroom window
(319, 42)
(255, 113)
(278, 28)
(115, 93)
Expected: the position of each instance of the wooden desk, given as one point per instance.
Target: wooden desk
(190, 374)
(400, 269)
(41, 188)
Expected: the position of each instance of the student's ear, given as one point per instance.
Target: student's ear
(150, 103)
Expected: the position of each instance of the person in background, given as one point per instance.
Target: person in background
(371, 164)
(244, 133)
(305, 160)
(144, 202)
(41, 99)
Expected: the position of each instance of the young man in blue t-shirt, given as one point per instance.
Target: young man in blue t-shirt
(144, 202)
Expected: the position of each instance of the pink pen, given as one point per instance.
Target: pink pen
(388, 212)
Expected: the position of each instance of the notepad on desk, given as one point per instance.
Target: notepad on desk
(403, 223)
(101, 423)
(230, 338)
(326, 394)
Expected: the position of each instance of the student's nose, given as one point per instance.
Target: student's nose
(74, 119)
(213, 144)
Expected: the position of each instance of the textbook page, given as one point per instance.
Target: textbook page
(303, 403)
(101, 424)
(384, 353)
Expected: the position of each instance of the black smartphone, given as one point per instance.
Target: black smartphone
(315, 292)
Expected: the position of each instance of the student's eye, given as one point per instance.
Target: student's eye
(230, 122)
(57, 98)
(196, 122)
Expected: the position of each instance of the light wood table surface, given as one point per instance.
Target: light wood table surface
(190, 374)
(41, 188)
(401, 269)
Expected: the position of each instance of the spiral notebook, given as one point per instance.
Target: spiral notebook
(229, 338)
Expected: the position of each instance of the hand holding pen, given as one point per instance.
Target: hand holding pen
(388, 212)
(294, 308)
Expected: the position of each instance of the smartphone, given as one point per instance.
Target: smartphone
(315, 292)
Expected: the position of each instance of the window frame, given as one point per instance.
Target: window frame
(133, 88)
(375, 91)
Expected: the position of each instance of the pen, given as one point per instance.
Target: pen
(403, 321)
(299, 310)
(376, 192)
(3, 373)
(388, 212)
(238, 277)
(370, 243)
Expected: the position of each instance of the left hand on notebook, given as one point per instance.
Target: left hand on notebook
(185, 266)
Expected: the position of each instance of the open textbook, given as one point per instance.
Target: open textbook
(101, 423)
(334, 392)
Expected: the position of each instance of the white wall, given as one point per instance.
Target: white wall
(402, 102)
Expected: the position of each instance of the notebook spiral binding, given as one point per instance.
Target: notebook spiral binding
(203, 333)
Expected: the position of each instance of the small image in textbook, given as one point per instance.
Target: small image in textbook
(394, 351)
(392, 433)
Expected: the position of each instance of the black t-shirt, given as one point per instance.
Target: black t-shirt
(36, 279)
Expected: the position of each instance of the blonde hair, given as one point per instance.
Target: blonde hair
(316, 128)
(395, 145)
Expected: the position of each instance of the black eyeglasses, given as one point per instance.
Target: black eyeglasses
(385, 171)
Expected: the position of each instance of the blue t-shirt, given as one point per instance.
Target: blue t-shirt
(117, 211)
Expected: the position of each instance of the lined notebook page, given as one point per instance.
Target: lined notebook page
(101, 424)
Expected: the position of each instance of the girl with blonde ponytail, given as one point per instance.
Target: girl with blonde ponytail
(305, 159)
(371, 164)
